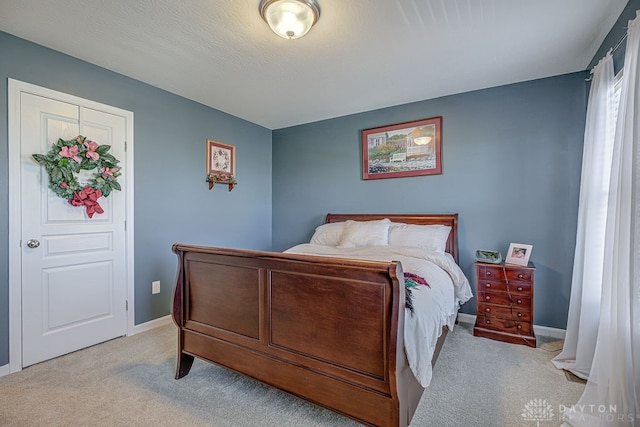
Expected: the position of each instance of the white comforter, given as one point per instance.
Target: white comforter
(434, 307)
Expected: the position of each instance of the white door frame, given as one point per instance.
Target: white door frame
(15, 219)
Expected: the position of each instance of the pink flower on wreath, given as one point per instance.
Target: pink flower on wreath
(91, 150)
(107, 173)
(71, 153)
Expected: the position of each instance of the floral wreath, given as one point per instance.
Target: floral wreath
(67, 158)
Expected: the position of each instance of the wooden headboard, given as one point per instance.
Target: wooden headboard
(420, 219)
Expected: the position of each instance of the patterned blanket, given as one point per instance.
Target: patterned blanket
(412, 281)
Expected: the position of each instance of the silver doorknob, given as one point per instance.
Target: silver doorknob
(33, 243)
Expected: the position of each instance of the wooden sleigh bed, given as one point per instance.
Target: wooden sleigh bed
(328, 330)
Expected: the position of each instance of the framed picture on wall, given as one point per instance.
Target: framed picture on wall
(404, 149)
(518, 254)
(221, 159)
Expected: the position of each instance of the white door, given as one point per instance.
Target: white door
(74, 283)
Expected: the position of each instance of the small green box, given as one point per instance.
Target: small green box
(492, 257)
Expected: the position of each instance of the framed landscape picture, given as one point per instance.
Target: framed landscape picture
(404, 149)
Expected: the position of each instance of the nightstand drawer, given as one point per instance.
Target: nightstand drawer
(504, 325)
(519, 275)
(515, 313)
(502, 298)
(517, 287)
(507, 274)
(520, 287)
(490, 273)
(489, 285)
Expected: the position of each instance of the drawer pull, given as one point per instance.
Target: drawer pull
(519, 314)
(519, 326)
(488, 285)
(520, 276)
(488, 298)
(487, 321)
(519, 288)
(488, 310)
(488, 273)
(519, 301)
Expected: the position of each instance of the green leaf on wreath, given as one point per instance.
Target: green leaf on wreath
(106, 191)
(56, 175)
(108, 158)
(67, 175)
(116, 185)
(40, 158)
(102, 149)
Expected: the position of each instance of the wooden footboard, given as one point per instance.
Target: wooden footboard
(327, 330)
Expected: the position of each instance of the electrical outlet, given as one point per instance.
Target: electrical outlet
(155, 287)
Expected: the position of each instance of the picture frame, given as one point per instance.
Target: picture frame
(404, 149)
(518, 254)
(221, 160)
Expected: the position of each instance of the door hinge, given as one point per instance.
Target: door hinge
(125, 226)
(126, 305)
(125, 146)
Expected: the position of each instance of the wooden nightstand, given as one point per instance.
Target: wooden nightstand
(504, 308)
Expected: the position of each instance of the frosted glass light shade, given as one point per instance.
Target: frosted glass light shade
(290, 19)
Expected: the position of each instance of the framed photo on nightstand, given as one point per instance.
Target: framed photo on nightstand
(518, 254)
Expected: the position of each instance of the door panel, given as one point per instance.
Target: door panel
(65, 244)
(74, 282)
(92, 298)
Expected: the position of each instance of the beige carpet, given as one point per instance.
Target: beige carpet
(129, 382)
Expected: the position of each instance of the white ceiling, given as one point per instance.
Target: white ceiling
(361, 55)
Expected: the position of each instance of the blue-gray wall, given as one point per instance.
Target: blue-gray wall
(172, 201)
(511, 169)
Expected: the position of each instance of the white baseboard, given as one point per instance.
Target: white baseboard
(544, 331)
(466, 318)
(151, 324)
(547, 331)
(4, 370)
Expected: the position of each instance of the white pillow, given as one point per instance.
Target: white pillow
(365, 233)
(432, 237)
(328, 234)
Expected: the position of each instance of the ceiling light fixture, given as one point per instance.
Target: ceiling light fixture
(290, 19)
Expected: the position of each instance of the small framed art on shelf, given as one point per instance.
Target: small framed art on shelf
(221, 164)
(518, 254)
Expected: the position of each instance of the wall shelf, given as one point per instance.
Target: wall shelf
(213, 182)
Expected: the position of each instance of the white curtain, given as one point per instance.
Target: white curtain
(612, 394)
(586, 283)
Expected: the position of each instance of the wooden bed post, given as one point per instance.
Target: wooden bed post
(184, 361)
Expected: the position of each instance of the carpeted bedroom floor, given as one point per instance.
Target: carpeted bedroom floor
(129, 382)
